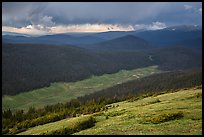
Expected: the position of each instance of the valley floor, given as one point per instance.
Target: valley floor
(63, 92)
(177, 113)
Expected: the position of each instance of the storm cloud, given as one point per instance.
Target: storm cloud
(43, 15)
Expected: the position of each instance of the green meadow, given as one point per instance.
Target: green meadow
(177, 113)
(63, 92)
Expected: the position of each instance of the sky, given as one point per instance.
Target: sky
(64, 17)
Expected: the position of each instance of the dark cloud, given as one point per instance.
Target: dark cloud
(49, 14)
(176, 14)
(20, 14)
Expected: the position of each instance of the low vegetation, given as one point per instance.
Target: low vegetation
(20, 120)
(76, 126)
(66, 126)
(159, 118)
(178, 113)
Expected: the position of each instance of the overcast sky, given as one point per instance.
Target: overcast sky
(54, 17)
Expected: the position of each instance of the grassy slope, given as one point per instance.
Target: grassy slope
(55, 126)
(130, 117)
(63, 92)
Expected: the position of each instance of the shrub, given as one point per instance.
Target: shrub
(76, 127)
(165, 117)
(199, 95)
(116, 113)
(5, 131)
(154, 101)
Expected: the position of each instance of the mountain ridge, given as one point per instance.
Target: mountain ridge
(128, 42)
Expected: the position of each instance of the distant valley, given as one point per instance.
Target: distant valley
(102, 68)
(38, 61)
(52, 77)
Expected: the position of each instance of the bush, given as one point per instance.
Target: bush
(165, 117)
(154, 101)
(5, 131)
(116, 113)
(198, 95)
(15, 130)
(76, 127)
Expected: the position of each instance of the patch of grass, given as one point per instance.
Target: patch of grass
(160, 118)
(115, 113)
(154, 101)
(65, 126)
(198, 95)
(75, 127)
(170, 119)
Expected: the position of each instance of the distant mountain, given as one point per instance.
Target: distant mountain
(127, 42)
(195, 43)
(14, 34)
(166, 37)
(184, 28)
(84, 40)
(16, 39)
(112, 34)
(170, 36)
(52, 39)
(176, 57)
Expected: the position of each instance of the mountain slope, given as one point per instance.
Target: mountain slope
(66, 91)
(89, 104)
(112, 34)
(176, 57)
(30, 66)
(195, 43)
(52, 39)
(170, 36)
(136, 117)
(128, 42)
(160, 38)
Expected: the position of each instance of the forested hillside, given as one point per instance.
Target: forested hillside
(30, 66)
(124, 43)
(66, 91)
